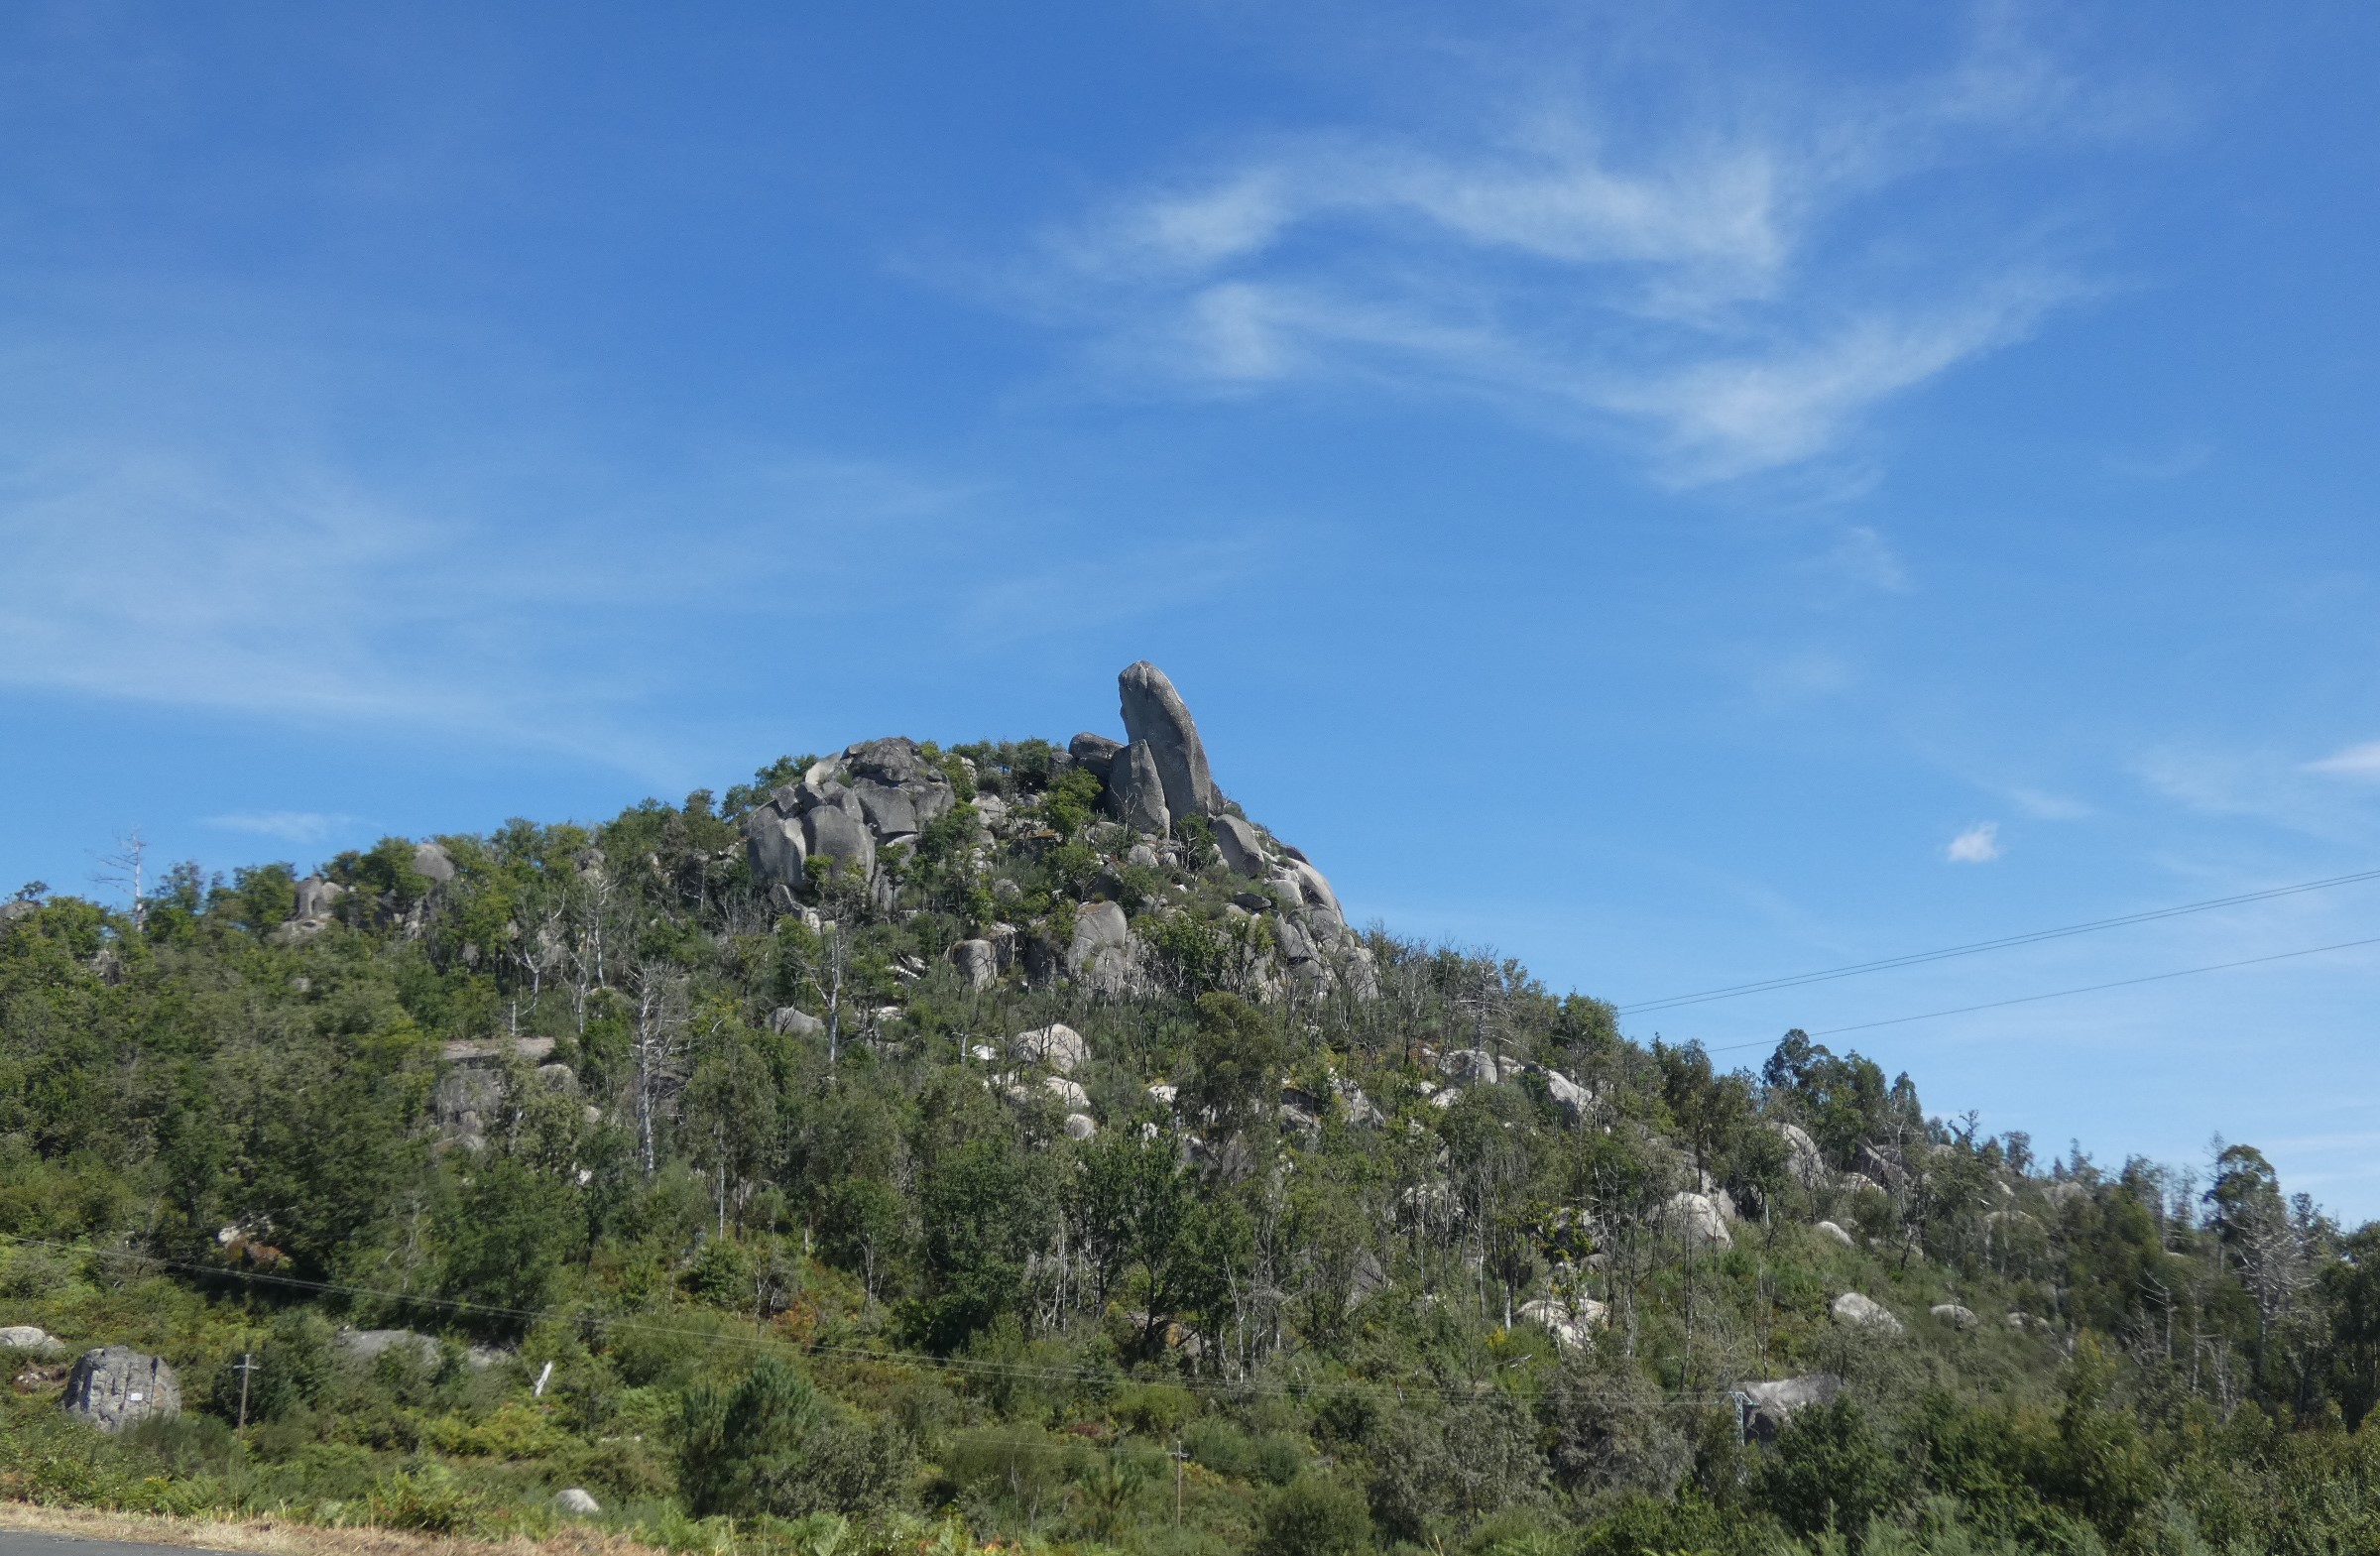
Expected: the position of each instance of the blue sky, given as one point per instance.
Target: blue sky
(1679, 493)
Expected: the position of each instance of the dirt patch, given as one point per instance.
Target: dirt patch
(280, 1537)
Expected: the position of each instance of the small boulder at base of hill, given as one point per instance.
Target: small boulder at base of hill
(1954, 1315)
(116, 1386)
(577, 1501)
(1153, 712)
(1835, 1234)
(1698, 1220)
(1057, 1046)
(1864, 1313)
(1769, 1405)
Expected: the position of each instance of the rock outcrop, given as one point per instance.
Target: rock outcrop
(116, 1386)
(1863, 1312)
(1136, 790)
(1697, 1221)
(1767, 1406)
(1057, 1046)
(1155, 713)
(876, 792)
(26, 1337)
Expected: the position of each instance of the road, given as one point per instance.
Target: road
(32, 1542)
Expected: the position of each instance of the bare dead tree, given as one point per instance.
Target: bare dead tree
(124, 869)
(660, 1051)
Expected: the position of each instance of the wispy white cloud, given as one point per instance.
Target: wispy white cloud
(292, 826)
(2356, 762)
(1977, 845)
(1717, 283)
(2042, 805)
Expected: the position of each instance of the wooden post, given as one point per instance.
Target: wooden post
(247, 1366)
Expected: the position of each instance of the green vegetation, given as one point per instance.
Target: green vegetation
(858, 1288)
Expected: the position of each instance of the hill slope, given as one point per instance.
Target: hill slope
(1021, 1135)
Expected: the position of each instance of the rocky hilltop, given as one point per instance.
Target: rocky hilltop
(1173, 852)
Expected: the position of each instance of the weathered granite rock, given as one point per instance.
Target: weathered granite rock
(433, 860)
(1802, 1157)
(1471, 1066)
(1571, 1324)
(1067, 1092)
(777, 846)
(788, 1021)
(1769, 1405)
(978, 962)
(116, 1386)
(1880, 1167)
(1155, 713)
(1829, 1229)
(835, 833)
(1136, 790)
(363, 1345)
(1698, 1220)
(1863, 1312)
(577, 1501)
(1100, 956)
(1094, 753)
(1568, 1095)
(1954, 1315)
(316, 898)
(899, 791)
(464, 1103)
(1242, 849)
(1057, 1046)
(1080, 1126)
(26, 1337)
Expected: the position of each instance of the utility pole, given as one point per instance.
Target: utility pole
(1178, 1456)
(247, 1366)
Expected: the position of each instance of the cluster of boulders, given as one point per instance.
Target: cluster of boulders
(319, 896)
(880, 794)
(475, 1084)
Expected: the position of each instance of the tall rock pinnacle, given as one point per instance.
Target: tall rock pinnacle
(1155, 715)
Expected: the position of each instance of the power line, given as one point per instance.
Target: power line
(2061, 994)
(2032, 937)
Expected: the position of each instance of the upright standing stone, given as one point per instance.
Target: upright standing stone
(1154, 712)
(1136, 790)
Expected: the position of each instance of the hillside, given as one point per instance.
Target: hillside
(1013, 1142)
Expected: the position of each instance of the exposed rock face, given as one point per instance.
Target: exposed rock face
(1057, 1046)
(1571, 1098)
(316, 897)
(791, 1022)
(1802, 1158)
(833, 832)
(26, 1337)
(1136, 790)
(1067, 1092)
(1830, 1230)
(364, 1344)
(464, 1103)
(1769, 1405)
(1954, 1315)
(1863, 1312)
(1093, 753)
(116, 1386)
(1242, 848)
(1571, 1325)
(1698, 1220)
(776, 845)
(1154, 712)
(577, 1501)
(1080, 1126)
(899, 791)
(978, 962)
(1100, 956)
(433, 860)
(1880, 1168)
(1471, 1066)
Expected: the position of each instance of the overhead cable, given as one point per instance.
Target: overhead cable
(2005, 942)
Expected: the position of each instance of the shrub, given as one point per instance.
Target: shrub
(1313, 1516)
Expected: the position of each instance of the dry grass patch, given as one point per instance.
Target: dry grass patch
(284, 1537)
